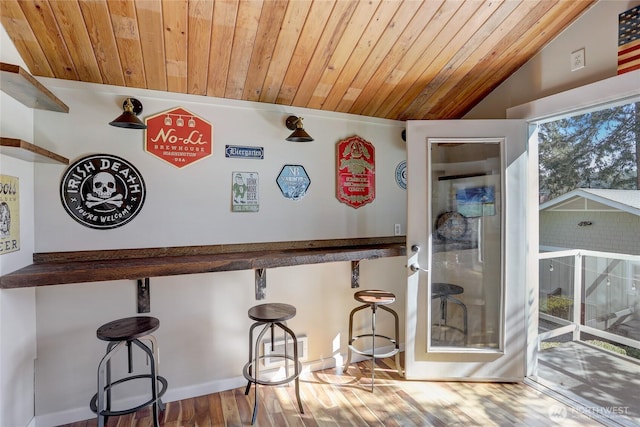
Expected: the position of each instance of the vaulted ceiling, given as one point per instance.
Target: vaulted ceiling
(432, 59)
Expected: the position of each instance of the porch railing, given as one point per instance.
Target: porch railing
(596, 293)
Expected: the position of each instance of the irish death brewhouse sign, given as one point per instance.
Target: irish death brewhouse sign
(355, 166)
(178, 137)
(102, 191)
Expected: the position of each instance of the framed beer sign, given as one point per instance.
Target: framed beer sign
(9, 214)
(178, 137)
(355, 172)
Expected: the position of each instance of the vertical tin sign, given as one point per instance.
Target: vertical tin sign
(355, 168)
(244, 192)
(9, 214)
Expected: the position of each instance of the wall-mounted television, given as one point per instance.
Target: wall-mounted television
(474, 202)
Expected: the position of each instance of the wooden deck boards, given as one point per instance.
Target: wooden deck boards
(602, 381)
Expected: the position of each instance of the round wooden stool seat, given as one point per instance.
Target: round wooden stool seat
(372, 296)
(128, 329)
(272, 312)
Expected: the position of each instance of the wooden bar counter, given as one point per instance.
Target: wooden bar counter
(55, 268)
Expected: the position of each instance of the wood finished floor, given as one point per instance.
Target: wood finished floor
(332, 399)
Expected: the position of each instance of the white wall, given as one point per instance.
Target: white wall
(204, 324)
(549, 72)
(17, 306)
(191, 206)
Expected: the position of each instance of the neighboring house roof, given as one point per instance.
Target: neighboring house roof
(595, 199)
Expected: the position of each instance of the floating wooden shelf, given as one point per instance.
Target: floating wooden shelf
(32, 153)
(56, 268)
(21, 85)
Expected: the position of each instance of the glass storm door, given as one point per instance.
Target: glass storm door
(466, 250)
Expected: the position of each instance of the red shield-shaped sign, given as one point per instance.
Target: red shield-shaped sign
(355, 167)
(178, 137)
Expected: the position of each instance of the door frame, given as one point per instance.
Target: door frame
(507, 364)
(616, 90)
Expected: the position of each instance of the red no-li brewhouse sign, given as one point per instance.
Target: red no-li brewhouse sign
(178, 137)
(356, 178)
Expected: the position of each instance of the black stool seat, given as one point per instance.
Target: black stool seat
(128, 329)
(272, 312)
(443, 289)
(128, 332)
(270, 316)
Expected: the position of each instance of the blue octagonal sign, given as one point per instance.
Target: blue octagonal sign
(293, 181)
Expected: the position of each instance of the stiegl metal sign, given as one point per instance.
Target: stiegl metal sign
(355, 169)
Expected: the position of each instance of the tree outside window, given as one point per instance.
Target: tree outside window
(600, 149)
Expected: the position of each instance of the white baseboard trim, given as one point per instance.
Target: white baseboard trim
(173, 394)
(64, 417)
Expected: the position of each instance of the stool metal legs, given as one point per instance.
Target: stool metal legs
(395, 341)
(104, 374)
(101, 402)
(251, 370)
(351, 338)
(444, 300)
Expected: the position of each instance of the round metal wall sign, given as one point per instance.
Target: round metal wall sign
(401, 174)
(102, 191)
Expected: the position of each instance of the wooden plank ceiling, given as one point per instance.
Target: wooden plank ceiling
(433, 59)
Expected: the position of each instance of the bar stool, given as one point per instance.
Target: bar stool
(445, 293)
(374, 299)
(269, 316)
(120, 333)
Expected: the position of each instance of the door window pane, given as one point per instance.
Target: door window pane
(466, 242)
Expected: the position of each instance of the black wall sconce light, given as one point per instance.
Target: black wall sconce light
(299, 134)
(129, 118)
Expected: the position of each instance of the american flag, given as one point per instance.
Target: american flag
(629, 40)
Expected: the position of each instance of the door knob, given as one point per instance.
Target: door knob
(415, 248)
(415, 267)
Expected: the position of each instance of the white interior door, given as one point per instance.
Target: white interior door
(466, 250)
